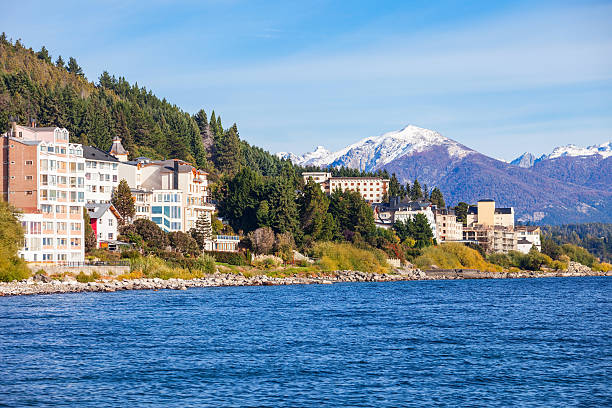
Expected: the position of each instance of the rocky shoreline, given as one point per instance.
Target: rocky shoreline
(41, 284)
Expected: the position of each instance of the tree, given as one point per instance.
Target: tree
(123, 202)
(395, 188)
(59, 62)
(74, 68)
(202, 120)
(437, 198)
(228, 151)
(239, 199)
(415, 228)
(183, 243)
(202, 231)
(316, 222)
(11, 240)
(262, 240)
(284, 246)
(416, 193)
(550, 248)
(43, 54)
(91, 241)
(461, 211)
(146, 232)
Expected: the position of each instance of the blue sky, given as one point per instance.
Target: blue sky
(500, 77)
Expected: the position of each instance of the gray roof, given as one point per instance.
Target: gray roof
(119, 148)
(97, 210)
(523, 241)
(93, 153)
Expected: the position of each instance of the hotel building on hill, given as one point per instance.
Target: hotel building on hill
(43, 175)
(372, 189)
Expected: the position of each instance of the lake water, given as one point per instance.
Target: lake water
(523, 342)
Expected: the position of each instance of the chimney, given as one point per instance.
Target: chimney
(14, 128)
(176, 175)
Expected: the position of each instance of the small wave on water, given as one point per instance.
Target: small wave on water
(509, 342)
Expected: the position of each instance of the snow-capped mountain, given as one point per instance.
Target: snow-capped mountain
(572, 184)
(375, 152)
(527, 160)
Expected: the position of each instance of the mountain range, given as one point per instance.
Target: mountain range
(569, 185)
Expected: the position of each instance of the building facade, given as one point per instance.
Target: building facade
(447, 227)
(491, 227)
(171, 193)
(101, 175)
(43, 175)
(528, 237)
(372, 189)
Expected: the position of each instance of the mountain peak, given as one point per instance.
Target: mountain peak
(525, 160)
(373, 152)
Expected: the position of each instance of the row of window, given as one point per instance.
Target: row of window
(101, 165)
(53, 180)
(61, 150)
(51, 165)
(60, 195)
(168, 211)
(99, 189)
(59, 209)
(100, 177)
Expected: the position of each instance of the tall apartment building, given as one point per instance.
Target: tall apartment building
(101, 175)
(447, 227)
(172, 193)
(43, 176)
(372, 189)
(492, 227)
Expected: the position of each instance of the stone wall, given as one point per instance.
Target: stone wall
(102, 270)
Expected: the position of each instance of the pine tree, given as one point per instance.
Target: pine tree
(316, 222)
(228, 151)
(202, 120)
(437, 198)
(74, 68)
(60, 62)
(416, 193)
(43, 54)
(202, 231)
(394, 187)
(461, 210)
(123, 201)
(425, 193)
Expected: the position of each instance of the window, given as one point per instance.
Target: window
(62, 241)
(61, 226)
(156, 209)
(44, 179)
(75, 226)
(47, 241)
(110, 222)
(44, 164)
(157, 220)
(110, 235)
(29, 162)
(80, 167)
(46, 208)
(60, 209)
(48, 226)
(29, 192)
(73, 208)
(47, 257)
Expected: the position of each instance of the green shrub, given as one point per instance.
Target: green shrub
(343, 256)
(578, 254)
(84, 278)
(189, 268)
(232, 258)
(267, 261)
(602, 267)
(454, 256)
(13, 269)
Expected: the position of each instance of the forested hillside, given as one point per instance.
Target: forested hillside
(33, 85)
(595, 237)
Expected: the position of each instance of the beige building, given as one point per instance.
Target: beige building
(447, 227)
(490, 226)
(372, 189)
(43, 175)
(172, 193)
(485, 213)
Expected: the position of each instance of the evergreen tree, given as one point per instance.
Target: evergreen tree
(122, 200)
(202, 120)
(426, 195)
(394, 187)
(59, 62)
(416, 193)
(91, 242)
(239, 199)
(461, 210)
(74, 68)
(202, 231)
(43, 54)
(228, 151)
(316, 222)
(437, 199)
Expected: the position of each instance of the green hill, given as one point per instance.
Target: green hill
(58, 94)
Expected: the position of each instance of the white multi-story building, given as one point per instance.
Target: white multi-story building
(171, 193)
(43, 176)
(372, 189)
(528, 237)
(409, 210)
(101, 175)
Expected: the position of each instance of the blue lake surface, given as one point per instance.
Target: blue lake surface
(522, 342)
